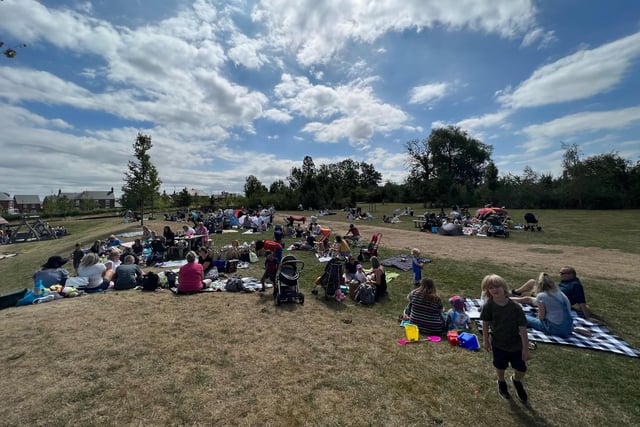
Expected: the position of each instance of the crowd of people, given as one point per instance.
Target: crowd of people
(504, 322)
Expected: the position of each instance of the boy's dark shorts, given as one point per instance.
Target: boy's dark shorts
(269, 276)
(502, 358)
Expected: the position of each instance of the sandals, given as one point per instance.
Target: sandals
(532, 345)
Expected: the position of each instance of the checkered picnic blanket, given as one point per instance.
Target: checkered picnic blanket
(601, 339)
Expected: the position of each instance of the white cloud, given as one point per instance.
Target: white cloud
(578, 76)
(350, 111)
(427, 93)
(301, 26)
(545, 38)
(542, 136)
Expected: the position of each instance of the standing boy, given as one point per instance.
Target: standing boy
(505, 321)
(77, 255)
(270, 270)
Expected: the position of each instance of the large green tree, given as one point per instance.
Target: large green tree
(447, 164)
(141, 181)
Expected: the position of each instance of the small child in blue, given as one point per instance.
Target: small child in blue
(457, 318)
(416, 265)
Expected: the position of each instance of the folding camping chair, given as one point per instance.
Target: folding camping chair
(372, 248)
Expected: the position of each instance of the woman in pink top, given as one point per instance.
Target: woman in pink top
(191, 275)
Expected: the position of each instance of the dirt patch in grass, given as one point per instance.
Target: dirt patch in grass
(588, 261)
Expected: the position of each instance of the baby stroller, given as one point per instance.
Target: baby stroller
(496, 226)
(371, 249)
(531, 222)
(331, 279)
(287, 287)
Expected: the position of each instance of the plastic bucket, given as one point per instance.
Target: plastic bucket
(412, 333)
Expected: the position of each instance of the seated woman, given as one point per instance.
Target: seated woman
(97, 247)
(96, 273)
(425, 309)
(169, 236)
(127, 275)
(52, 272)
(113, 259)
(146, 233)
(191, 276)
(342, 246)
(137, 248)
(210, 271)
(554, 309)
(204, 231)
(350, 268)
(188, 231)
(378, 278)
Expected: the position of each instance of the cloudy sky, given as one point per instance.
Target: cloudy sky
(233, 88)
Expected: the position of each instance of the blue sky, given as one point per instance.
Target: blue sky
(228, 89)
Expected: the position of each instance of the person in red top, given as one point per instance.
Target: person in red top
(191, 275)
(270, 245)
(353, 235)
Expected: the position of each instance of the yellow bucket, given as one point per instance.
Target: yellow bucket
(412, 333)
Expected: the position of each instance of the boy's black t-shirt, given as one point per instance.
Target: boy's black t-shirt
(505, 324)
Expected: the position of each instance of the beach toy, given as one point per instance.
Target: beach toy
(434, 338)
(411, 332)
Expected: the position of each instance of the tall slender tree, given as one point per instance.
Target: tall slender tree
(141, 181)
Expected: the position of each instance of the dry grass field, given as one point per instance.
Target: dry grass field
(133, 358)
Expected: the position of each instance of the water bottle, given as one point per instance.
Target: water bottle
(37, 288)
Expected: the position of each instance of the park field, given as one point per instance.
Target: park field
(133, 358)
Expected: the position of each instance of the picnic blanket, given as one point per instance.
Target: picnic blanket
(403, 262)
(602, 338)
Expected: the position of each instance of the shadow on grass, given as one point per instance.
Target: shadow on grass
(527, 416)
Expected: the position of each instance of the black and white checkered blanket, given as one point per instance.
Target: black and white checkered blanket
(601, 339)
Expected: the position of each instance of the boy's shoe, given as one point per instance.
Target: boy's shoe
(503, 391)
(516, 293)
(522, 394)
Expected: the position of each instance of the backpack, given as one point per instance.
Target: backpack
(366, 294)
(171, 278)
(150, 281)
(234, 284)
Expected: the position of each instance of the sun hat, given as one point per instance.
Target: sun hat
(457, 302)
(55, 261)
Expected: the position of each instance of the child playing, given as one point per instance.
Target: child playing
(457, 318)
(416, 265)
(77, 255)
(270, 269)
(506, 322)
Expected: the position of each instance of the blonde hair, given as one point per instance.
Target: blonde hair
(129, 259)
(415, 251)
(191, 256)
(493, 280)
(89, 259)
(545, 284)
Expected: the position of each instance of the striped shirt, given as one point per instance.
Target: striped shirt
(427, 315)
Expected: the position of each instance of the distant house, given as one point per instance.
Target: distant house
(6, 202)
(27, 203)
(103, 199)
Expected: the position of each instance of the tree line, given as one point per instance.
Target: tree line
(447, 168)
